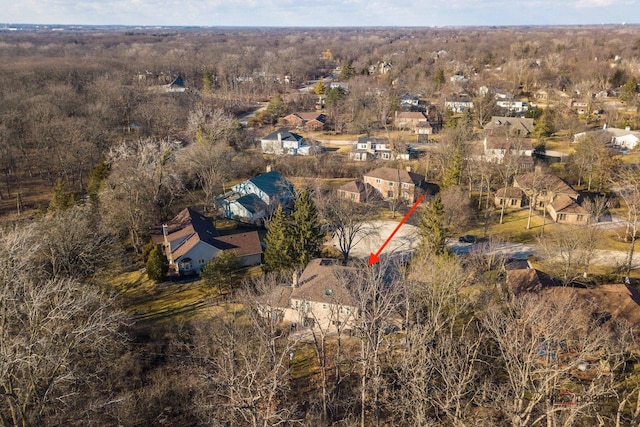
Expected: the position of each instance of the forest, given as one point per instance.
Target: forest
(107, 134)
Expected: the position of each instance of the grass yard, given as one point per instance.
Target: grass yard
(149, 301)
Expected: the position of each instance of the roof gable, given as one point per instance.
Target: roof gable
(396, 175)
(271, 183)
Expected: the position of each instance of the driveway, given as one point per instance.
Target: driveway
(404, 242)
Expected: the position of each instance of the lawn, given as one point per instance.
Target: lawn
(149, 301)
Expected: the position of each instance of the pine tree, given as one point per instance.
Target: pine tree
(453, 168)
(278, 254)
(157, 265)
(432, 228)
(62, 198)
(207, 81)
(97, 176)
(308, 236)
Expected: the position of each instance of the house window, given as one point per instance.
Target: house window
(514, 202)
(562, 217)
(378, 181)
(580, 218)
(390, 194)
(405, 195)
(541, 204)
(386, 156)
(390, 183)
(353, 196)
(501, 202)
(200, 261)
(324, 306)
(405, 185)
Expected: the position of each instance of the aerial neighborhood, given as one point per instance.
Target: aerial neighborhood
(320, 227)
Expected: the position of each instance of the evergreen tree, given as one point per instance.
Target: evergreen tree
(438, 77)
(307, 233)
(62, 198)
(207, 81)
(347, 71)
(96, 177)
(432, 229)
(157, 265)
(279, 240)
(319, 88)
(453, 168)
(542, 126)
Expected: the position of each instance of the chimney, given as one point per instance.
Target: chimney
(604, 127)
(268, 168)
(167, 244)
(294, 282)
(627, 128)
(407, 168)
(280, 138)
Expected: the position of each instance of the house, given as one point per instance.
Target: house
(282, 141)
(512, 126)
(318, 298)
(458, 102)
(409, 101)
(513, 106)
(524, 280)
(565, 210)
(413, 120)
(190, 241)
(367, 148)
(398, 183)
(511, 197)
(496, 148)
(356, 191)
(624, 138)
(176, 85)
(550, 193)
(255, 199)
(312, 121)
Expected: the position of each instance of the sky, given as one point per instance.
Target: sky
(323, 13)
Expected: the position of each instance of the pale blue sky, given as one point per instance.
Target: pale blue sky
(297, 13)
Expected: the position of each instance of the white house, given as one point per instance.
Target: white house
(284, 142)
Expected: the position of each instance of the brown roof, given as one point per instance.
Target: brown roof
(508, 143)
(527, 280)
(243, 243)
(412, 115)
(391, 174)
(319, 282)
(311, 116)
(510, 192)
(353, 187)
(566, 204)
(499, 122)
(544, 182)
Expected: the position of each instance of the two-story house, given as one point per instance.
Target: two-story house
(311, 121)
(283, 141)
(318, 298)
(367, 148)
(402, 184)
(255, 199)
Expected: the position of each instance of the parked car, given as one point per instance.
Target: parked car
(468, 238)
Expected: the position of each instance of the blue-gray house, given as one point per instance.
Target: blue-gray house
(256, 198)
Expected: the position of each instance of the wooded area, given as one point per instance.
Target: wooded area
(106, 135)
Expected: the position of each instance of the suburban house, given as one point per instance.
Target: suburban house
(551, 193)
(497, 148)
(255, 199)
(623, 138)
(513, 105)
(283, 141)
(413, 120)
(458, 102)
(409, 101)
(356, 191)
(190, 241)
(367, 148)
(511, 197)
(393, 183)
(318, 298)
(308, 120)
(512, 126)
(176, 85)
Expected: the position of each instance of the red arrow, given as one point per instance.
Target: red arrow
(373, 258)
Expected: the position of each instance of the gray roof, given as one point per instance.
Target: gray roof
(272, 183)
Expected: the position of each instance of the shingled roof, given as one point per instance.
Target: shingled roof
(396, 175)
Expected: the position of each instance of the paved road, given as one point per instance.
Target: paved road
(407, 239)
